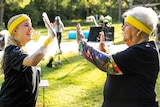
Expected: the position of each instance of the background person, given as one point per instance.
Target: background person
(59, 27)
(21, 78)
(131, 73)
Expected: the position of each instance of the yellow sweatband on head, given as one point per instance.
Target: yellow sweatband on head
(138, 24)
(16, 22)
(48, 41)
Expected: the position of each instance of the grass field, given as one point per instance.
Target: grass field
(77, 83)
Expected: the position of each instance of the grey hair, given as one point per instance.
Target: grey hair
(146, 15)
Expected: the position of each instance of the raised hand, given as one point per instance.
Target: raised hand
(51, 31)
(79, 35)
(102, 43)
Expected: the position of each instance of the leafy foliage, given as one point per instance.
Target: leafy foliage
(69, 9)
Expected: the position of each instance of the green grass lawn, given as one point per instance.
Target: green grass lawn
(77, 83)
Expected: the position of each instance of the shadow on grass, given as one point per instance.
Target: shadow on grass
(82, 87)
(69, 60)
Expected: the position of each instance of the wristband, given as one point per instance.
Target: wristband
(48, 41)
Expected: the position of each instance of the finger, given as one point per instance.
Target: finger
(51, 29)
(45, 17)
(102, 37)
(46, 23)
(79, 35)
(79, 30)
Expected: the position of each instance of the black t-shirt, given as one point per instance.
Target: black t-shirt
(135, 88)
(18, 89)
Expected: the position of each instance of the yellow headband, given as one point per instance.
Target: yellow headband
(16, 22)
(139, 25)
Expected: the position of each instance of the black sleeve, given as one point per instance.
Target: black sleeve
(138, 58)
(125, 60)
(13, 57)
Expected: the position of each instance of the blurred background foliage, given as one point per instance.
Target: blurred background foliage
(68, 9)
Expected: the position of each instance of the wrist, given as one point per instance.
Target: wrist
(48, 41)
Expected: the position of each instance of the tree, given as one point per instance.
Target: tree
(119, 10)
(1, 13)
(67, 9)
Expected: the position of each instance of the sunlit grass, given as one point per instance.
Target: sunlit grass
(77, 83)
(73, 84)
(158, 89)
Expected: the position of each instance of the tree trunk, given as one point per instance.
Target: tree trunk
(119, 10)
(1, 13)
